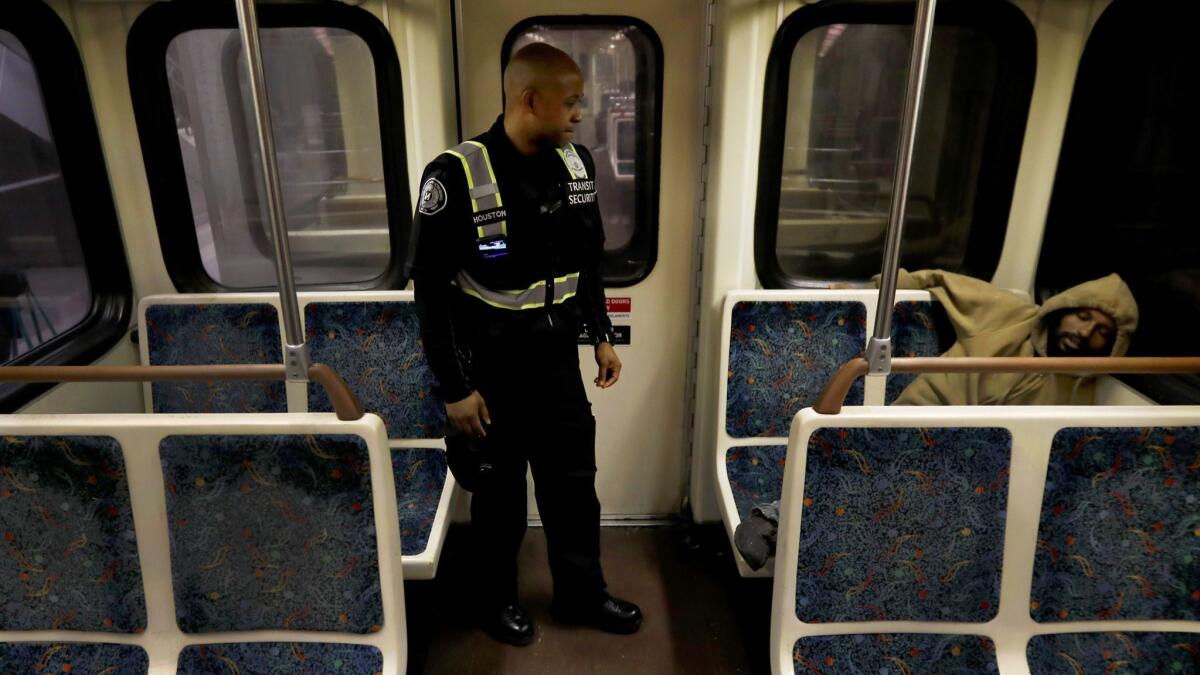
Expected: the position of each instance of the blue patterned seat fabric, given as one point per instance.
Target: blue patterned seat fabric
(1115, 653)
(895, 654)
(781, 354)
(80, 658)
(917, 328)
(68, 552)
(210, 334)
(1120, 529)
(272, 532)
(755, 475)
(270, 658)
(902, 524)
(420, 478)
(376, 347)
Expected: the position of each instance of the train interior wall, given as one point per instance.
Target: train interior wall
(657, 450)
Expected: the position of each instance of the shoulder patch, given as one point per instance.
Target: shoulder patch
(575, 164)
(433, 197)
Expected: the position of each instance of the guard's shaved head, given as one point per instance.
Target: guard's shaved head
(543, 89)
(537, 66)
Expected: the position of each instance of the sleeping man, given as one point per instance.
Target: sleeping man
(1096, 318)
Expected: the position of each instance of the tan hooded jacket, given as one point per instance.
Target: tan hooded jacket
(989, 321)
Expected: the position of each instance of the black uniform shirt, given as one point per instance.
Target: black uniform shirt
(554, 229)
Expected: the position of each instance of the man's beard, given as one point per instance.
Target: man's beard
(1069, 344)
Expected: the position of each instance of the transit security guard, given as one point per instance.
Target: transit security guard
(507, 272)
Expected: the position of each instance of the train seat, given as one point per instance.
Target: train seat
(1113, 652)
(70, 550)
(780, 349)
(964, 539)
(372, 340)
(279, 535)
(270, 657)
(72, 657)
(1118, 540)
(213, 330)
(70, 558)
(376, 347)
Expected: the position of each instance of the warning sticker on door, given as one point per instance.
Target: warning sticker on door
(619, 308)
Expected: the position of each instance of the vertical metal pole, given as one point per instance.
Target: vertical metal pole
(879, 349)
(297, 358)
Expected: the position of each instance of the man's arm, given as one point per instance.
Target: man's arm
(591, 293)
(438, 229)
(973, 306)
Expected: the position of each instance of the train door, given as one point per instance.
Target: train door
(642, 71)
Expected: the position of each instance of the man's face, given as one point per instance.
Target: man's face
(1083, 332)
(559, 108)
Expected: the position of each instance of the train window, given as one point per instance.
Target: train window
(831, 120)
(64, 285)
(621, 59)
(1122, 198)
(333, 84)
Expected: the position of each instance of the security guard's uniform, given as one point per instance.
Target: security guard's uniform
(507, 272)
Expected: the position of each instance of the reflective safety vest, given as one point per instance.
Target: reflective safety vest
(491, 229)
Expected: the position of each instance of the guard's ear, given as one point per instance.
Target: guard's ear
(528, 97)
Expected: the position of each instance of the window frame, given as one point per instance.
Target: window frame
(72, 120)
(1092, 82)
(1016, 69)
(150, 37)
(646, 218)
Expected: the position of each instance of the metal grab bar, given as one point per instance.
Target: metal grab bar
(833, 396)
(345, 403)
(879, 347)
(296, 357)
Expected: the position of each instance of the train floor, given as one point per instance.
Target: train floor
(700, 616)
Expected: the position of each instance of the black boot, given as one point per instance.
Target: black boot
(509, 624)
(609, 614)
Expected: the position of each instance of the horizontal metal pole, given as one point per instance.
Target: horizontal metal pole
(345, 403)
(834, 395)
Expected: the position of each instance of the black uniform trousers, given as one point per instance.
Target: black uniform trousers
(541, 418)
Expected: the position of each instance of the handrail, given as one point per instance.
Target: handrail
(833, 396)
(345, 403)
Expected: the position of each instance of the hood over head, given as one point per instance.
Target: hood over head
(1108, 294)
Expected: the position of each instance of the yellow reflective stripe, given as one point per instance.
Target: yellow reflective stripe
(470, 180)
(532, 305)
(541, 283)
(475, 294)
(487, 159)
(497, 229)
(530, 298)
(483, 233)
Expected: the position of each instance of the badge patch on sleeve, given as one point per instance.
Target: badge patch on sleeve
(575, 164)
(433, 197)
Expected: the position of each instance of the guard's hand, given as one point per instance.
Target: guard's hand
(610, 366)
(469, 415)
